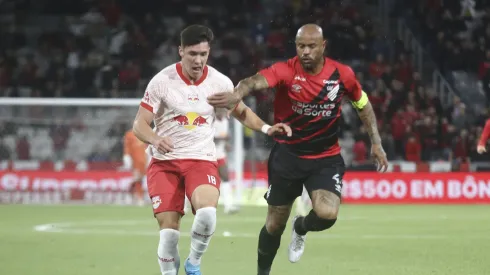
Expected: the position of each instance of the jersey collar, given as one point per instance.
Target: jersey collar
(186, 80)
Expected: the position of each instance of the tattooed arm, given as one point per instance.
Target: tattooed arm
(253, 83)
(368, 118)
(231, 99)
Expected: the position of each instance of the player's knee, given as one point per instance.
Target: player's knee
(326, 213)
(205, 196)
(318, 223)
(274, 228)
(168, 221)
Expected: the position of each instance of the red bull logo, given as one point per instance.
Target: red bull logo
(190, 120)
(193, 98)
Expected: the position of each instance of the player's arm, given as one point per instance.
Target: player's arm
(481, 148)
(266, 78)
(146, 113)
(250, 84)
(360, 102)
(251, 120)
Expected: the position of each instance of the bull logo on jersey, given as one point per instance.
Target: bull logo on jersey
(190, 120)
(193, 98)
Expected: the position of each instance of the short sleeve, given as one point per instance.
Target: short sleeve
(228, 85)
(153, 96)
(352, 86)
(277, 73)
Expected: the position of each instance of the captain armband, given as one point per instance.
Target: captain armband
(359, 105)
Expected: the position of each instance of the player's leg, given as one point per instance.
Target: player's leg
(136, 188)
(325, 187)
(302, 203)
(202, 186)
(284, 187)
(226, 188)
(270, 236)
(167, 195)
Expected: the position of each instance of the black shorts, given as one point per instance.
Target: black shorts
(288, 173)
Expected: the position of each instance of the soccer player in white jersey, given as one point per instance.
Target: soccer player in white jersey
(182, 146)
(221, 138)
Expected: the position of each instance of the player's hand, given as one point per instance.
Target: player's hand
(280, 129)
(163, 145)
(481, 149)
(225, 100)
(379, 157)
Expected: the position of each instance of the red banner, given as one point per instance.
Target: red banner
(362, 188)
(423, 188)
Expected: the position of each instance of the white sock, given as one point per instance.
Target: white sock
(201, 233)
(227, 195)
(168, 252)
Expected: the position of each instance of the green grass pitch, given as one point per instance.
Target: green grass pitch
(367, 240)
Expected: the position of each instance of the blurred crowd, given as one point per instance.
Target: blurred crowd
(109, 48)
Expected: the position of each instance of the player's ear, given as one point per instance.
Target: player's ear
(324, 44)
(181, 51)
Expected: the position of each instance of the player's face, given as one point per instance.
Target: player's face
(194, 58)
(310, 51)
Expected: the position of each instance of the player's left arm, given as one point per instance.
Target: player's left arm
(360, 102)
(251, 120)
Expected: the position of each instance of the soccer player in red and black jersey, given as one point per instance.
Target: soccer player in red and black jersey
(308, 98)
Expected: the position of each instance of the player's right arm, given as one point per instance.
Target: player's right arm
(146, 113)
(252, 121)
(481, 148)
(264, 79)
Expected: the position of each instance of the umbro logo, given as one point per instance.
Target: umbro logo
(296, 88)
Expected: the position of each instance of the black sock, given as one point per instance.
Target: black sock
(312, 222)
(299, 226)
(268, 246)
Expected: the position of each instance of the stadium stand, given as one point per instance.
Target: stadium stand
(109, 49)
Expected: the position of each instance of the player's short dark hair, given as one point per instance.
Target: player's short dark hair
(195, 34)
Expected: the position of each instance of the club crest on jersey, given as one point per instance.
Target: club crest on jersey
(296, 88)
(190, 120)
(334, 90)
(193, 98)
(156, 201)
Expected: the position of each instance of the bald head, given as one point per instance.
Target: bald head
(310, 31)
(310, 47)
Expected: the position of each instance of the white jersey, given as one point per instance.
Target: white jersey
(221, 127)
(182, 112)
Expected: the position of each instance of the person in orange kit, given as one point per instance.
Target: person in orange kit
(136, 160)
(481, 148)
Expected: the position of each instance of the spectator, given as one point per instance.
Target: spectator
(360, 152)
(23, 149)
(4, 151)
(413, 150)
(378, 67)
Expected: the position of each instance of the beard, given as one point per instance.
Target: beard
(310, 64)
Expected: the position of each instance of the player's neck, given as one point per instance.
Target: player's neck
(317, 69)
(191, 79)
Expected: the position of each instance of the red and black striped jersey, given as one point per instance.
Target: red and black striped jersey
(311, 104)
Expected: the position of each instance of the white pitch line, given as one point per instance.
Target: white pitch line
(70, 228)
